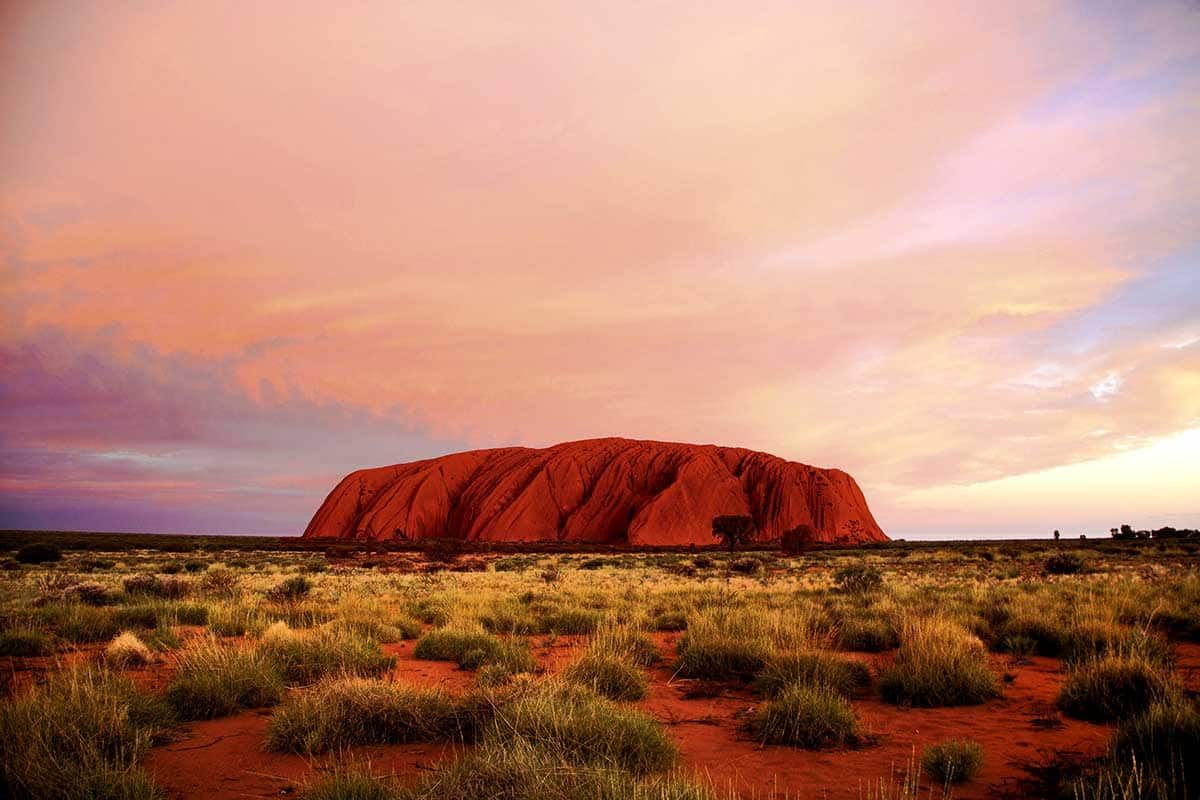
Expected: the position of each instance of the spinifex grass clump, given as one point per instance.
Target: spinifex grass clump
(574, 725)
(79, 737)
(867, 634)
(216, 680)
(844, 676)
(516, 769)
(735, 644)
(302, 657)
(451, 644)
(611, 676)
(127, 650)
(341, 712)
(351, 783)
(1115, 686)
(808, 716)
(953, 761)
(472, 648)
(938, 664)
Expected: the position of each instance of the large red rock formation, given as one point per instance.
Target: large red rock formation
(609, 491)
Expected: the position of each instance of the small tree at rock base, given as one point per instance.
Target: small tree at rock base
(733, 530)
(794, 540)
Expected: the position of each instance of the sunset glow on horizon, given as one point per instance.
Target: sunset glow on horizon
(245, 249)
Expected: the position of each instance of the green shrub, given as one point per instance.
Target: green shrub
(1014, 634)
(79, 737)
(843, 676)
(341, 712)
(609, 676)
(154, 586)
(938, 664)
(720, 658)
(1114, 687)
(746, 566)
(1063, 564)
(215, 681)
(39, 553)
(953, 761)
(812, 717)
(25, 642)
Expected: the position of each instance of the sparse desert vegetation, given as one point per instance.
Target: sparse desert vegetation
(566, 675)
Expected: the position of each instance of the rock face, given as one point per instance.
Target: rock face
(605, 491)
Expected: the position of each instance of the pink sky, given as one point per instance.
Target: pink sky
(953, 249)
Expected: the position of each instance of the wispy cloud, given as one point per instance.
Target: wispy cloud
(936, 258)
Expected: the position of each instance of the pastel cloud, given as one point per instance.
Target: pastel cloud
(937, 248)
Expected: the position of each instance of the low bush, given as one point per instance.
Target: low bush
(350, 783)
(811, 717)
(25, 642)
(342, 712)
(39, 553)
(1063, 564)
(92, 593)
(291, 590)
(938, 664)
(843, 676)
(156, 586)
(571, 621)
(953, 761)
(746, 566)
(1114, 687)
(79, 623)
(214, 681)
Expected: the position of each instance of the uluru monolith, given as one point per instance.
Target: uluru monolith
(602, 491)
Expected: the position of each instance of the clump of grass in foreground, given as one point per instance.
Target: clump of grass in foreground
(575, 725)
(609, 676)
(812, 717)
(214, 681)
(308, 656)
(79, 737)
(938, 664)
(351, 783)
(1155, 756)
(127, 650)
(953, 761)
(845, 676)
(1114, 686)
(516, 769)
(354, 711)
(25, 642)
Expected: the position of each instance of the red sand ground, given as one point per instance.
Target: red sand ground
(598, 490)
(224, 758)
